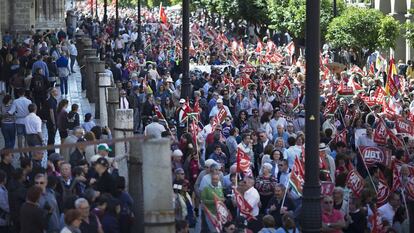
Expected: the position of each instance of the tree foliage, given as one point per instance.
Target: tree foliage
(290, 16)
(363, 28)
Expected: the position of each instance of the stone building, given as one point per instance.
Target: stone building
(24, 16)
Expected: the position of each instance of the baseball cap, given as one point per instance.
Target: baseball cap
(104, 146)
(95, 158)
(102, 161)
(182, 101)
(177, 153)
(220, 101)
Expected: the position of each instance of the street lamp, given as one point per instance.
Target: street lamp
(139, 40)
(116, 18)
(96, 8)
(311, 208)
(105, 17)
(185, 88)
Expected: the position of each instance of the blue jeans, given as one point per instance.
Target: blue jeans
(63, 85)
(9, 133)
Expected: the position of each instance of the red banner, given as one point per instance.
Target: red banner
(383, 191)
(221, 115)
(223, 214)
(327, 188)
(243, 161)
(355, 182)
(331, 105)
(380, 133)
(243, 206)
(374, 155)
(404, 126)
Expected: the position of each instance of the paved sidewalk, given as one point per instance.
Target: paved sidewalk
(75, 96)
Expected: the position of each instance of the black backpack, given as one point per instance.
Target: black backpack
(38, 83)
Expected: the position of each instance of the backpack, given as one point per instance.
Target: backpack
(38, 83)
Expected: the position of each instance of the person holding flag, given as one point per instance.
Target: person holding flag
(209, 211)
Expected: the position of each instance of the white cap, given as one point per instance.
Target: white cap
(220, 101)
(182, 101)
(170, 80)
(209, 162)
(177, 153)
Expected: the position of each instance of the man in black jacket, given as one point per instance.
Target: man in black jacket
(106, 182)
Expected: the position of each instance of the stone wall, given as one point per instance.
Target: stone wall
(21, 15)
(399, 10)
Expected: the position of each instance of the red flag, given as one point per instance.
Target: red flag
(357, 70)
(259, 46)
(270, 47)
(244, 207)
(383, 191)
(163, 15)
(391, 87)
(394, 139)
(380, 133)
(158, 113)
(219, 118)
(290, 48)
(376, 222)
(327, 188)
(355, 182)
(331, 105)
(296, 181)
(223, 214)
(243, 161)
(345, 90)
(213, 219)
(341, 137)
(373, 155)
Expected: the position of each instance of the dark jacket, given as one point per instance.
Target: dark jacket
(110, 224)
(33, 219)
(73, 120)
(106, 183)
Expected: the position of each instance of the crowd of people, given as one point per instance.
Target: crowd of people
(237, 151)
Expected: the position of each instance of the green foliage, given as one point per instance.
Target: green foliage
(388, 32)
(409, 35)
(254, 11)
(363, 28)
(290, 15)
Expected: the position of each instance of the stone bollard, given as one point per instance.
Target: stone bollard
(104, 82)
(157, 176)
(124, 125)
(98, 68)
(113, 104)
(90, 77)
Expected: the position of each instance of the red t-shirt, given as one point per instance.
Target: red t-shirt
(332, 218)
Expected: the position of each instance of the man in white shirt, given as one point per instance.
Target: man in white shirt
(367, 139)
(251, 195)
(33, 125)
(216, 109)
(20, 110)
(123, 101)
(73, 54)
(154, 129)
(387, 211)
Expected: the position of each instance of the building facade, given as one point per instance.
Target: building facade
(24, 16)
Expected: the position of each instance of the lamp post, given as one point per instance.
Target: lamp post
(185, 88)
(96, 9)
(105, 17)
(116, 18)
(139, 40)
(311, 207)
(91, 5)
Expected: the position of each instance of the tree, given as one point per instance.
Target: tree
(290, 15)
(360, 28)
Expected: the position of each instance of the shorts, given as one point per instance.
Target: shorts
(20, 130)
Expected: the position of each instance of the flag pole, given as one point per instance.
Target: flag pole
(286, 190)
(365, 165)
(405, 203)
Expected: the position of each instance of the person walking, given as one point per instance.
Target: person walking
(8, 123)
(73, 54)
(33, 125)
(63, 73)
